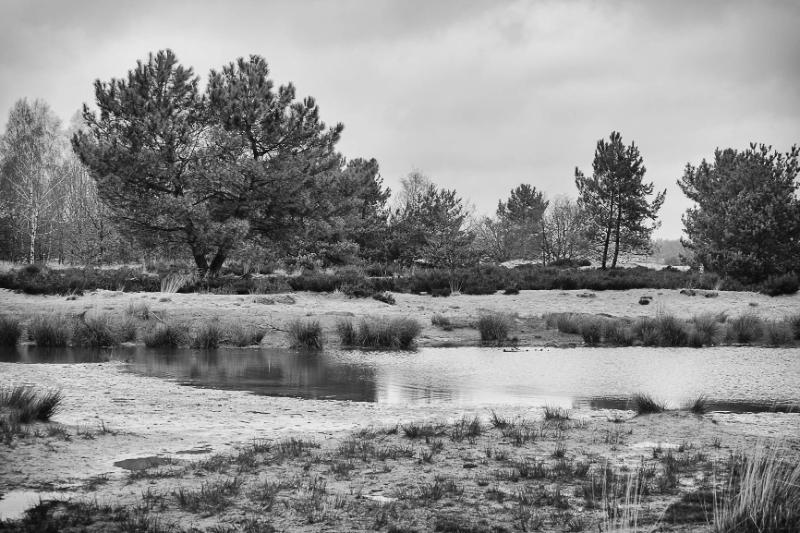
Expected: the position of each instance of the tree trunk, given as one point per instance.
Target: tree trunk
(202, 264)
(218, 261)
(34, 230)
(608, 235)
(617, 237)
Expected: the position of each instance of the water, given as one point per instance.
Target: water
(733, 379)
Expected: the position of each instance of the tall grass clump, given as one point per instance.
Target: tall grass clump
(794, 325)
(172, 283)
(569, 323)
(207, 336)
(644, 404)
(705, 330)
(764, 497)
(165, 335)
(698, 406)
(617, 332)
(671, 331)
(96, 331)
(140, 310)
(51, 330)
(28, 405)
(306, 334)
(745, 328)
(239, 335)
(494, 327)
(778, 332)
(646, 330)
(10, 331)
(591, 331)
(397, 333)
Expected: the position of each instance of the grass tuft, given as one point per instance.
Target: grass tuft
(644, 404)
(96, 331)
(51, 330)
(27, 404)
(165, 335)
(698, 406)
(306, 334)
(745, 328)
(397, 333)
(671, 331)
(591, 331)
(778, 332)
(494, 327)
(207, 336)
(239, 335)
(10, 331)
(705, 330)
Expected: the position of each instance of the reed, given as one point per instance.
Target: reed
(51, 330)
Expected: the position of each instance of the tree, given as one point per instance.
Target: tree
(522, 216)
(746, 218)
(565, 231)
(178, 167)
(431, 225)
(31, 153)
(615, 199)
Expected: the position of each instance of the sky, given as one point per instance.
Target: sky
(478, 95)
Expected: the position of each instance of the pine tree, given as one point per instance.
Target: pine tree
(615, 199)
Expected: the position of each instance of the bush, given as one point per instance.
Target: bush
(96, 332)
(10, 331)
(745, 328)
(165, 335)
(306, 334)
(51, 330)
(494, 327)
(441, 321)
(591, 331)
(207, 335)
(778, 285)
(385, 297)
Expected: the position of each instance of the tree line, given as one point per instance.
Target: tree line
(244, 169)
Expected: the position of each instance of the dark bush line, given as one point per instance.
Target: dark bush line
(487, 279)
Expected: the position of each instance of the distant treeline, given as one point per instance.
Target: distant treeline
(244, 171)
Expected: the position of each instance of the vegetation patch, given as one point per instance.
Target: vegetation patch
(396, 333)
(51, 330)
(645, 404)
(494, 327)
(165, 335)
(10, 331)
(306, 334)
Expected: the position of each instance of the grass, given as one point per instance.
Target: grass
(97, 331)
(494, 327)
(705, 330)
(306, 335)
(207, 336)
(165, 335)
(28, 405)
(441, 321)
(396, 333)
(646, 330)
(51, 330)
(239, 335)
(671, 331)
(556, 413)
(698, 406)
(765, 496)
(645, 404)
(138, 309)
(591, 331)
(745, 328)
(10, 331)
(778, 332)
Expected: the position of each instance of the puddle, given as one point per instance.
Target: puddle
(14, 504)
(143, 463)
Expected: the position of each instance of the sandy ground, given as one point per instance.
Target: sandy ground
(528, 306)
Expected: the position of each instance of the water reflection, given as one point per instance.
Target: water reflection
(734, 379)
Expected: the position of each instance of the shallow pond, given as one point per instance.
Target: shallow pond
(733, 379)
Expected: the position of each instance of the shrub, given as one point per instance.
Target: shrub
(778, 285)
(27, 405)
(645, 404)
(745, 328)
(165, 335)
(511, 291)
(207, 336)
(51, 330)
(239, 335)
(779, 332)
(671, 331)
(10, 331)
(306, 334)
(494, 327)
(96, 332)
(646, 330)
(591, 331)
(385, 297)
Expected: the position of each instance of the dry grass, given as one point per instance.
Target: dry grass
(306, 335)
(51, 330)
(494, 327)
(10, 331)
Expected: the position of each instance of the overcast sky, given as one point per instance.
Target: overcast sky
(481, 96)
